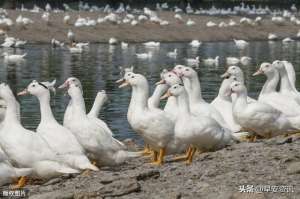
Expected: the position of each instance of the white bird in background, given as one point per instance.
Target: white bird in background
(241, 44)
(67, 19)
(272, 36)
(71, 35)
(113, 41)
(178, 17)
(211, 61)
(192, 61)
(195, 43)
(124, 45)
(144, 55)
(13, 59)
(190, 22)
(46, 17)
(172, 54)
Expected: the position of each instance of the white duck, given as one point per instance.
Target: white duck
(198, 105)
(94, 112)
(170, 78)
(258, 117)
(286, 86)
(34, 151)
(239, 75)
(223, 104)
(8, 173)
(245, 61)
(100, 99)
(152, 124)
(75, 50)
(241, 44)
(193, 61)
(144, 55)
(272, 36)
(198, 131)
(50, 130)
(172, 54)
(232, 61)
(270, 96)
(190, 22)
(71, 36)
(152, 44)
(195, 43)
(13, 59)
(211, 61)
(95, 138)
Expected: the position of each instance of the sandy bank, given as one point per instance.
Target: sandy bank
(39, 32)
(274, 162)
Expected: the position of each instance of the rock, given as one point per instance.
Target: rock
(149, 174)
(284, 140)
(120, 188)
(294, 168)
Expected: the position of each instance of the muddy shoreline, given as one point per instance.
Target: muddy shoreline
(40, 32)
(274, 162)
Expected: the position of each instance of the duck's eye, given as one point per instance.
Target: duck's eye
(128, 74)
(33, 85)
(267, 66)
(132, 77)
(170, 76)
(187, 69)
(227, 77)
(180, 67)
(234, 79)
(175, 87)
(73, 80)
(236, 85)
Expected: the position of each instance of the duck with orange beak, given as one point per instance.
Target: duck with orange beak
(197, 131)
(153, 125)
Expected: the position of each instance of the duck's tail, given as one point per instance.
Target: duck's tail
(24, 55)
(82, 162)
(122, 155)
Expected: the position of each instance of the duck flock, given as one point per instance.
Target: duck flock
(185, 125)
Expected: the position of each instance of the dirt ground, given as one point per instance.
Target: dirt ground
(39, 32)
(219, 175)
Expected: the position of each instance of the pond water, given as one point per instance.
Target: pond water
(98, 68)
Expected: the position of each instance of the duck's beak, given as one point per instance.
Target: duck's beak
(160, 82)
(120, 80)
(24, 92)
(226, 74)
(124, 84)
(165, 96)
(64, 85)
(258, 72)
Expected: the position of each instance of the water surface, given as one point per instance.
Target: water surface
(98, 68)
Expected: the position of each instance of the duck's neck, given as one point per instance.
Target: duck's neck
(154, 100)
(11, 114)
(195, 95)
(223, 91)
(46, 112)
(271, 83)
(98, 103)
(78, 105)
(183, 104)
(241, 101)
(139, 97)
(284, 82)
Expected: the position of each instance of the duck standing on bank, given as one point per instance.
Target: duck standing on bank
(67, 145)
(92, 133)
